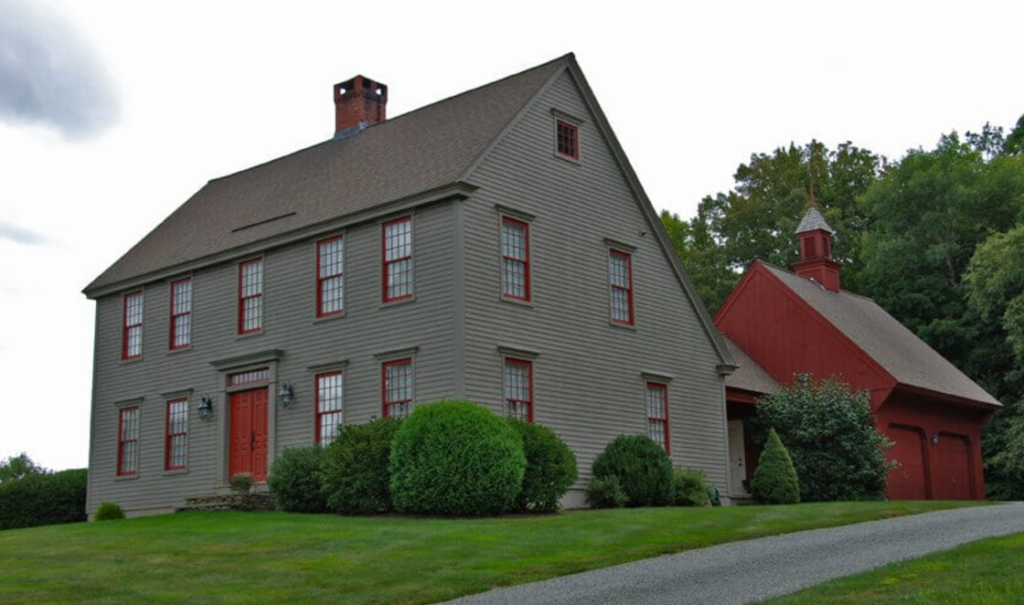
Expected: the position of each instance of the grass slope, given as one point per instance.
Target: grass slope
(310, 559)
(988, 572)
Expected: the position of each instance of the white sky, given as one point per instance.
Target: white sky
(207, 88)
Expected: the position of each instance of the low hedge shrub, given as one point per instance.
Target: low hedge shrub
(294, 480)
(43, 499)
(692, 487)
(355, 470)
(642, 468)
(550, 468)
(456, 458)
(108, 511)
(606, 492)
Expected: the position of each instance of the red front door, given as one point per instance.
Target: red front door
(249, 434)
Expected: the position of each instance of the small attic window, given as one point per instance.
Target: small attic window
(568, 139)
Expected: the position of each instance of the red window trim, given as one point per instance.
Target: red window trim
(121, 442)
(320, 279)
(386, 264)
(126, 327)
(664, 390)
(628, 289)
(575, 153)
(242, 297)
(174, 317)
(506, 220)
(529, 378)
(169, 436)
(385, 403)
(320, 413)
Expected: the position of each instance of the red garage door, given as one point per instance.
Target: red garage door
(906, 481)
(952, 468)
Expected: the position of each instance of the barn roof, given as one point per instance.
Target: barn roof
(888, 342)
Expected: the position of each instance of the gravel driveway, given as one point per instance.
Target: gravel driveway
(743, 572)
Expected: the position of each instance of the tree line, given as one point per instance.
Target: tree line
(936, 238)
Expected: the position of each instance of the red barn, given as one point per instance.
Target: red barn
(787, 322)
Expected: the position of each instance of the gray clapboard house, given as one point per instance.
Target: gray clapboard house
(494, 246)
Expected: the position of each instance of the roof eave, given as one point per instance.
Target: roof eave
(949, 397)
(456, 190)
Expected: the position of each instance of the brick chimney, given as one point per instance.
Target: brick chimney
(358, 103)
(816, 250)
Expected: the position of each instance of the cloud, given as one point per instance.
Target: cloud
(49, 75)
(19, 235)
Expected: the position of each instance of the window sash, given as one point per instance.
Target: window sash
(396, 378)
(620, 278)
(176, 452)
(131, 345)
(128, 442)
(330, 277)
(568, 139)
(398, 264)
(657, 414)
(181, 313)
(515, 253)
(250, 296)
(329, 406)
(518, 389)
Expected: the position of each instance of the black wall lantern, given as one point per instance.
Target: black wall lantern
(286, 396)
(205, 408)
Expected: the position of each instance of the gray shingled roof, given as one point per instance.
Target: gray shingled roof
(420, 151)
(748, 376)
(905, 356)
(813, 220)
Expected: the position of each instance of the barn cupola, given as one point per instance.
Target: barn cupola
(358, 103)
(816, 250)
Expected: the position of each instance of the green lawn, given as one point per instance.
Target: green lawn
(989, 572)
(309, 559)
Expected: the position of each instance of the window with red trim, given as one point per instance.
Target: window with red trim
(657, 413)
(250, 296)
(128, 442)
(176, 448)
(515, 259)
(181, 313)
(329, 406)
(397, 252)
(330, 284)
(396, 379)
(131, 340)
(568, 136)
(620, 277)
(518, 382)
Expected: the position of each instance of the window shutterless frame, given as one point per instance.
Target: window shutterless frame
(329, 405)
(250, 296)
(128, 442)
(330, 277)
(620, 279)
(396, 388)
(397, 260)
(131, 337)
(515, 259)
(567, 139)
(181, 314)
(518, 388)
(176, 446)
(657, 414)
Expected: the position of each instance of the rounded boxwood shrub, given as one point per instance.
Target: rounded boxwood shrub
(456, 458)
(550, 468)
(692, 487)
(642, 468)
(108, 511)
(606, 492)
(775, 480)
(43, 499)
(294, 480)
(355, 473)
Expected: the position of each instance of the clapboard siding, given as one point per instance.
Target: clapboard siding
(588, 385)
(290, 325)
